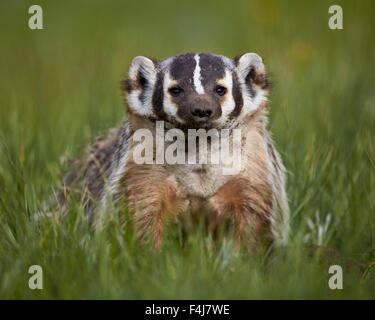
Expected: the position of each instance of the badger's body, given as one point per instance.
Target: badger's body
(190, 91)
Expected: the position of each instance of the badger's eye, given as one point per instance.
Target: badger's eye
(220, 90)
(175, 91)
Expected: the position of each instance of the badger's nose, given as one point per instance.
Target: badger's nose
(201, 113)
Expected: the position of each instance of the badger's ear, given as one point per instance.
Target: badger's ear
(251, 71)
(139, 85)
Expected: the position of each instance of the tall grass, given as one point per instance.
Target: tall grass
(59, 88)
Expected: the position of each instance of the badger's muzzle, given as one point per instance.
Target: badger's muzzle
(202, 109)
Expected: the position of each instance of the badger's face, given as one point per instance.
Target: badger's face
(196, 90)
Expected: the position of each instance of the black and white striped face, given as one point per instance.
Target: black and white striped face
(197, 90)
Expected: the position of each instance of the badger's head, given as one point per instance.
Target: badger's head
(197, 90)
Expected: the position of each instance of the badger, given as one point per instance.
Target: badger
(189, 91)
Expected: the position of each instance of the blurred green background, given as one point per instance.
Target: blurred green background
(60, 87)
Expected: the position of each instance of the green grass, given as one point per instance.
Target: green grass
(59, 88)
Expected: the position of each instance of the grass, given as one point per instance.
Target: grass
(59, 88)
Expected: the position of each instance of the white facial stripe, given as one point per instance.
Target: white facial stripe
(197, 76)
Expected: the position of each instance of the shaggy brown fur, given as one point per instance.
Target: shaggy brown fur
(254, 199)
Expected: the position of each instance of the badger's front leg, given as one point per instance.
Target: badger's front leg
(249, 206)
(153, 199)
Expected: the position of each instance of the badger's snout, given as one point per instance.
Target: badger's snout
(201, 113)
(202, 109)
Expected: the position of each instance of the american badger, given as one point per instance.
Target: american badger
(189, 91)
